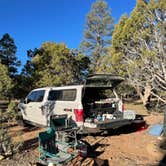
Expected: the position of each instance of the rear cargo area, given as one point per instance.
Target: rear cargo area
(100, 103)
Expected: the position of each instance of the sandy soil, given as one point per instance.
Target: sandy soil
(123, 147)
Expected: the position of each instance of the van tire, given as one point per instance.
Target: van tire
(21, 122)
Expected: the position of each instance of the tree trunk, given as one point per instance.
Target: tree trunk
(147, 93)
(144, 95)
(164, 123)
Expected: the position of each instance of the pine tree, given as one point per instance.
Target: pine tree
(5, 81)
(97, 33)
(8, 51)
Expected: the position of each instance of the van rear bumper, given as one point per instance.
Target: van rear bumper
(112, 124)
(107, 125)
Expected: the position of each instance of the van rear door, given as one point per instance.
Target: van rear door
(100, 101)
(103, 80)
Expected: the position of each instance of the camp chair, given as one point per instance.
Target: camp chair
(48, 151)
(62, 128)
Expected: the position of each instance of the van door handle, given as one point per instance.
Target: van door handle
(67, 110)
(41, 107)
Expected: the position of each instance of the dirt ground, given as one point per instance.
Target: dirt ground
(123, 147)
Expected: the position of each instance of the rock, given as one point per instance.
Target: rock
(160, 138)
(1, 157)
(110, 158)
(70, 150)
(50, 164)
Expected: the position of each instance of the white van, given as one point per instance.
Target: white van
(94, 104)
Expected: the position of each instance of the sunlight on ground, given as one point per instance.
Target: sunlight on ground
(137, 107)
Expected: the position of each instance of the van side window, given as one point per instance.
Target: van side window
(62, 95)
(54, 95)
(69, 95)
(36, 96)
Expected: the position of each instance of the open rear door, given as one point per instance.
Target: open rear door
(103, 80)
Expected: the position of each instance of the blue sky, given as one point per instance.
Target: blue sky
(32, 22)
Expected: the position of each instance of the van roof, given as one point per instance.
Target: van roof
(92, 81)
(71, 87)
(60, 87)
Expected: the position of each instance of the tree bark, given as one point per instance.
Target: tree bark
(164, 123)
(144, 94)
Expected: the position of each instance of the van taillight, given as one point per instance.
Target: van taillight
(79, 115)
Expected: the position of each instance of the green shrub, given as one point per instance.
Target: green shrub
(12, 110)
(7, 146)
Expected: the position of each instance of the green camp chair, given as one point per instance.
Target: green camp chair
(49, 153)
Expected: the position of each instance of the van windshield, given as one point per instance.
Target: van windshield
(36, 96)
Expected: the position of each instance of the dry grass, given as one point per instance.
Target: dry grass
(136, 106)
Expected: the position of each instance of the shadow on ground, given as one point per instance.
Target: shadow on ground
(93, 153)
(127, 129)
(30, 144)
(29, 129)
(163, 149)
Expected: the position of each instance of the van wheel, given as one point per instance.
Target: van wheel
(21, 122)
